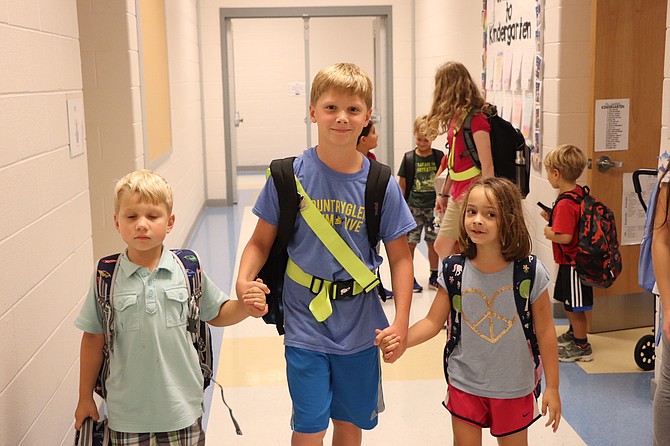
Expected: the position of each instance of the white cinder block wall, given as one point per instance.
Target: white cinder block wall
(45, 228)
(110, 43)
(565, 102)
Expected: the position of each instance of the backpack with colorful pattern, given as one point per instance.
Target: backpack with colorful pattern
(524, 277)
(598, 260)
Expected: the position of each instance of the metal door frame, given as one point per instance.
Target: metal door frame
(227, 14)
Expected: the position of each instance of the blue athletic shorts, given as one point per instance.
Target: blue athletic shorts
(341, 387)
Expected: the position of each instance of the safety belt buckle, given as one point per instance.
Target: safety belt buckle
(316, 285)
(372, 285)
(341, 290)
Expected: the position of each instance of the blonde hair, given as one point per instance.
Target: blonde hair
(569, 160)
(515, 241)
(421, 126)
(455, 93)
(149, 186)
(344, 78)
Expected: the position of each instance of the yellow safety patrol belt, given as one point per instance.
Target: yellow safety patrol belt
(466, 174)
(365, 280)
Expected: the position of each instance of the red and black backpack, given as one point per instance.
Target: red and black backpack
(598, 260)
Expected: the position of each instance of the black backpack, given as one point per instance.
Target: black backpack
(272, 272)
(511, 154)
(410, 168)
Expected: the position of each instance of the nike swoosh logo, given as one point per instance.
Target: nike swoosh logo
(525, 414)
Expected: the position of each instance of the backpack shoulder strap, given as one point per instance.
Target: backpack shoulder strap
(375, 189)
(452, 271)
(105, 275)
(287, 192)
(190, 265)
(524, 278)
(409, 172)
(469, 139)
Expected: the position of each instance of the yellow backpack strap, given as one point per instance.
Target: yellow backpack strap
(321, 306)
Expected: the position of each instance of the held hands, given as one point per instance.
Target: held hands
(254, 298)
(392, 344)
(544, 215)
(552, 401)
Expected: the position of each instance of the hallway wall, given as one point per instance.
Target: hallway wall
(45, 228)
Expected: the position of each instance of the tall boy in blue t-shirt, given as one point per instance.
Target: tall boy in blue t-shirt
(333, 366)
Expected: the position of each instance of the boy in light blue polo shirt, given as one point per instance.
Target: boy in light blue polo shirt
(154, 388)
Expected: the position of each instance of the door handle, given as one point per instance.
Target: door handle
(605, 163)
(238, 119)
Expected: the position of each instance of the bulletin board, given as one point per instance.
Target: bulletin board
(512, 64)
(155, 84)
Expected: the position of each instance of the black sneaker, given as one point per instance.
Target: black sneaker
(417, 288)
(432, 283)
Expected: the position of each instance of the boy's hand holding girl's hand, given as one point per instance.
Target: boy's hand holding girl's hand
(392, 344)
(254, 298)
(552, 401)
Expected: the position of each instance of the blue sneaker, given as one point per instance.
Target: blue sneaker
(388, 293)
(417, 288)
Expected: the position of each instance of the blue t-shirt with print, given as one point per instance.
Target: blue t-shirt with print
(341, 199)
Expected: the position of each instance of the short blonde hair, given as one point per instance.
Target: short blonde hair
(421, 126)
(344, 78)
(149, 186)
(569, 160)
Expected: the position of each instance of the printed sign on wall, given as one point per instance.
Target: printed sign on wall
(512, 65)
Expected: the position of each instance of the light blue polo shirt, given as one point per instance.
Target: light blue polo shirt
(155, 383)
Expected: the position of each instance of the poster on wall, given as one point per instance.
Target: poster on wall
(612, 117)
(512, 62)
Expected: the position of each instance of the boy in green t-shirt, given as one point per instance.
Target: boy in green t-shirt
(416, 178)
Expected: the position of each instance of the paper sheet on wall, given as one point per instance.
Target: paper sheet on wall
(517, 110)
(633, 214)
(507, 73)
(497, 80)
(527, 115)
(527, 69)
(516, 70)
(490, 70)
(507, 106)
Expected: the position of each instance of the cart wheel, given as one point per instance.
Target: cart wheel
(645, 355)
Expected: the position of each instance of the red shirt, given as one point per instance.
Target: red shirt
(462, 163)
(565, 220)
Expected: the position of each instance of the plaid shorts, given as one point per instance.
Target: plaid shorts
(189, 436)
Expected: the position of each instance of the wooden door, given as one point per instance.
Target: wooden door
(628, 43)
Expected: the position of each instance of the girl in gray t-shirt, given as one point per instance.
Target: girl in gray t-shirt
(491, 370)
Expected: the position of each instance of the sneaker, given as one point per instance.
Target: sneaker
(565, 338)
(417, 288)
(432, 283)
(388, 294)
(573, 352)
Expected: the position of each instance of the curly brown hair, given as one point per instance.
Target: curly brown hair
(455, 93)
(515, 239)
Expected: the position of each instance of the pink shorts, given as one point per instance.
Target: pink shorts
(502, 416)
